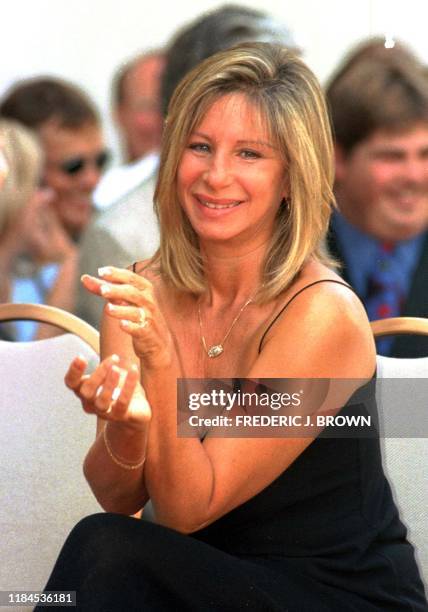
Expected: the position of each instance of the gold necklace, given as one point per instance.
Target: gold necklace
(217, 349)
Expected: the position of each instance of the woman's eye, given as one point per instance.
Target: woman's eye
(199, 147)
(246, 154)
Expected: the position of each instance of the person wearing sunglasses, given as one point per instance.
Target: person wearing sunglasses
(69, 129)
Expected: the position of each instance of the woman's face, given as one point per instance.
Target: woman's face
(231, 177)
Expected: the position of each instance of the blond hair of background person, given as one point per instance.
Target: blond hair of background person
(254, 523)
(29, 231)
(23, 157)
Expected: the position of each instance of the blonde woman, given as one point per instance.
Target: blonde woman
(240, 288)
(37, 261)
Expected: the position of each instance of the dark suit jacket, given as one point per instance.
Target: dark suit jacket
(416, 304)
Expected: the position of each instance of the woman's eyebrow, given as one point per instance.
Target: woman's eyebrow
(200, 135)
(244, 142)
(262, 143)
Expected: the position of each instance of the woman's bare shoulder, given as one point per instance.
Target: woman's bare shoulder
(322, 286)
(322, 317)
(319, 288)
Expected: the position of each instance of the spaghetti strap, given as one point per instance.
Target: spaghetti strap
(134, 266)
(323, 280)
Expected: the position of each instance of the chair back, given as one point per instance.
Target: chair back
(405, 459)
(53, 316)
(44, 436)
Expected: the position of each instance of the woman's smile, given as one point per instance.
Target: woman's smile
(216, 207)
(219, 204)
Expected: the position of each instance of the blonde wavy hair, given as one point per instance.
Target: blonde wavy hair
(291, 104)
(23, 155)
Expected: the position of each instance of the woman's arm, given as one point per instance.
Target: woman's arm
(114, 464)
(191, 484)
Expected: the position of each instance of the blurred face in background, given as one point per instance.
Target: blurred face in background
(138, 114)
(382, 183)
(74, 161)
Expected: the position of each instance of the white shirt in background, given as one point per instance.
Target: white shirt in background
(120, 180)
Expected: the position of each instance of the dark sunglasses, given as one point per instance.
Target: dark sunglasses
(74, 165)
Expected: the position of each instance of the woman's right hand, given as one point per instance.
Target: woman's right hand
(112, 392)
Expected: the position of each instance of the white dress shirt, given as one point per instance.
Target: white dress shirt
(121, 180)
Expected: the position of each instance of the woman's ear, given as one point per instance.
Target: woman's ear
(286, 189)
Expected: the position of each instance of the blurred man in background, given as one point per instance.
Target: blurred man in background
(69, 129)
(379, 110)
(137, 113)
(73, 157)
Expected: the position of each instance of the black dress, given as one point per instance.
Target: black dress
(325, 536)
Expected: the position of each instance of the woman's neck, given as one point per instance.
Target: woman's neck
(232, 278)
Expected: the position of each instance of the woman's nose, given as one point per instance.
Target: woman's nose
(218, 172)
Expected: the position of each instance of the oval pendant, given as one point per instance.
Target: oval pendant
(215, 350)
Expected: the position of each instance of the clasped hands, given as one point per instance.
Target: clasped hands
(113, 391)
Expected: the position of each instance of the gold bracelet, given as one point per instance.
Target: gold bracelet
(125, 466)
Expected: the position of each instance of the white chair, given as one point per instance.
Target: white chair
(403, 411)
(44, 436)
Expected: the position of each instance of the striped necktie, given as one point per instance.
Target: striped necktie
(384, 297)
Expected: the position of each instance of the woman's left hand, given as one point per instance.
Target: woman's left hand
(130, 299)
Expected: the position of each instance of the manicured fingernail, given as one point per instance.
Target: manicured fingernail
(104, 289)
(124, 323)
(105, 271)
(115, 394)
(134, 367)
(99, 391)
(115, 358)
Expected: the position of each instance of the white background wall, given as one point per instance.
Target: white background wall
(86, 40)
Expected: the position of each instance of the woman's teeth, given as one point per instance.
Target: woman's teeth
(219, 206)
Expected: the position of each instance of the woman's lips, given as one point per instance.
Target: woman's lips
(217, 203)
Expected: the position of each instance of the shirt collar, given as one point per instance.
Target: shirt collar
(360, 250)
